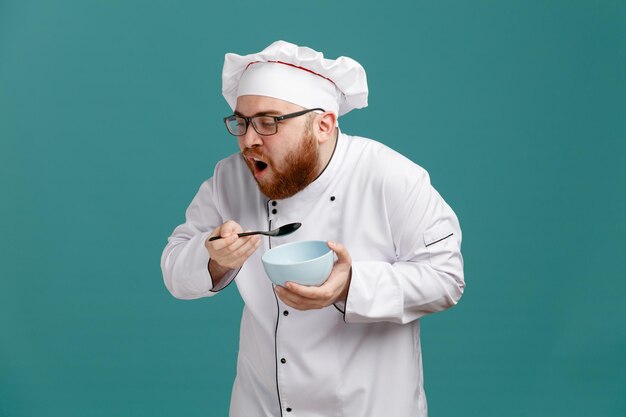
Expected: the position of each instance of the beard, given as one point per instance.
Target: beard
(299, 170)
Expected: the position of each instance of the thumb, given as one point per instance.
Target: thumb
(343, 257)
(229, 228)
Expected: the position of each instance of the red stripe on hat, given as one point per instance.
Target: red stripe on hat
(294, 66)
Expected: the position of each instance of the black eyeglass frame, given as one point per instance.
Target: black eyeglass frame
(277, 119)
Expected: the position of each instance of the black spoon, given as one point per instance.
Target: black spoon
(281, 231)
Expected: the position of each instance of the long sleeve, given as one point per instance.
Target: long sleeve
(427, 274)
(184, 262)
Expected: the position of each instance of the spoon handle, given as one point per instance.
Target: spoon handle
(251, 233)
(212, 238)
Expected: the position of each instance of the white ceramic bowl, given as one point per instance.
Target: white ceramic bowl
(308, 263)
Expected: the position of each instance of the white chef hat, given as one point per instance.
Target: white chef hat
(298, 75)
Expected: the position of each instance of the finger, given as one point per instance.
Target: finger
(255, 245)
(343, 257)
(242, 246)
(234, 240)
(220, 244)
(234, 255)
(294, 300)
(225, 230)
(306, 292)
(230, 227)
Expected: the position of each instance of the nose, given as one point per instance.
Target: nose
(251, 139)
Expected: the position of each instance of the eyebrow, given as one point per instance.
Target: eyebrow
(261, 113)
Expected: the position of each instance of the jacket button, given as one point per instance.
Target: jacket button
(289, 409)
(274, 203)
(285, 313)
(332, 198)
(274, 211)
(283, 360)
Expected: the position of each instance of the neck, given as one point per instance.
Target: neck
(327, 151)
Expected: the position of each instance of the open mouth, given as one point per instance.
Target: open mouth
(258, 164)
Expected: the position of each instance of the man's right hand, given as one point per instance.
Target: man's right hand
(231, 251)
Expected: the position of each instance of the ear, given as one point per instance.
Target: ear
(325, 125)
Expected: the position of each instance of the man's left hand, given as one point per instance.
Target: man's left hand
(333, 290)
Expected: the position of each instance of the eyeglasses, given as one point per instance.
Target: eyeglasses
(263, 125)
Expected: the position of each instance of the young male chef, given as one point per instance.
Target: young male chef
(350, 347)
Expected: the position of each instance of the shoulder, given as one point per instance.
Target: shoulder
(382, 165)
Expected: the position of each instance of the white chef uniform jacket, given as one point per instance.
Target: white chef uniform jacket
(361, 358)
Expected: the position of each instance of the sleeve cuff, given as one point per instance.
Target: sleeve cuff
(226, 279)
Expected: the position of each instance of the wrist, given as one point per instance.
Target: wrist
(217, 271)
(346, 288)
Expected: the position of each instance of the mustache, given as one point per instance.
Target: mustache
(253, 154)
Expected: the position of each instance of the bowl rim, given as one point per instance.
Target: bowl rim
(295, 243)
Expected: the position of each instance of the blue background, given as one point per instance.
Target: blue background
(110, 118)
